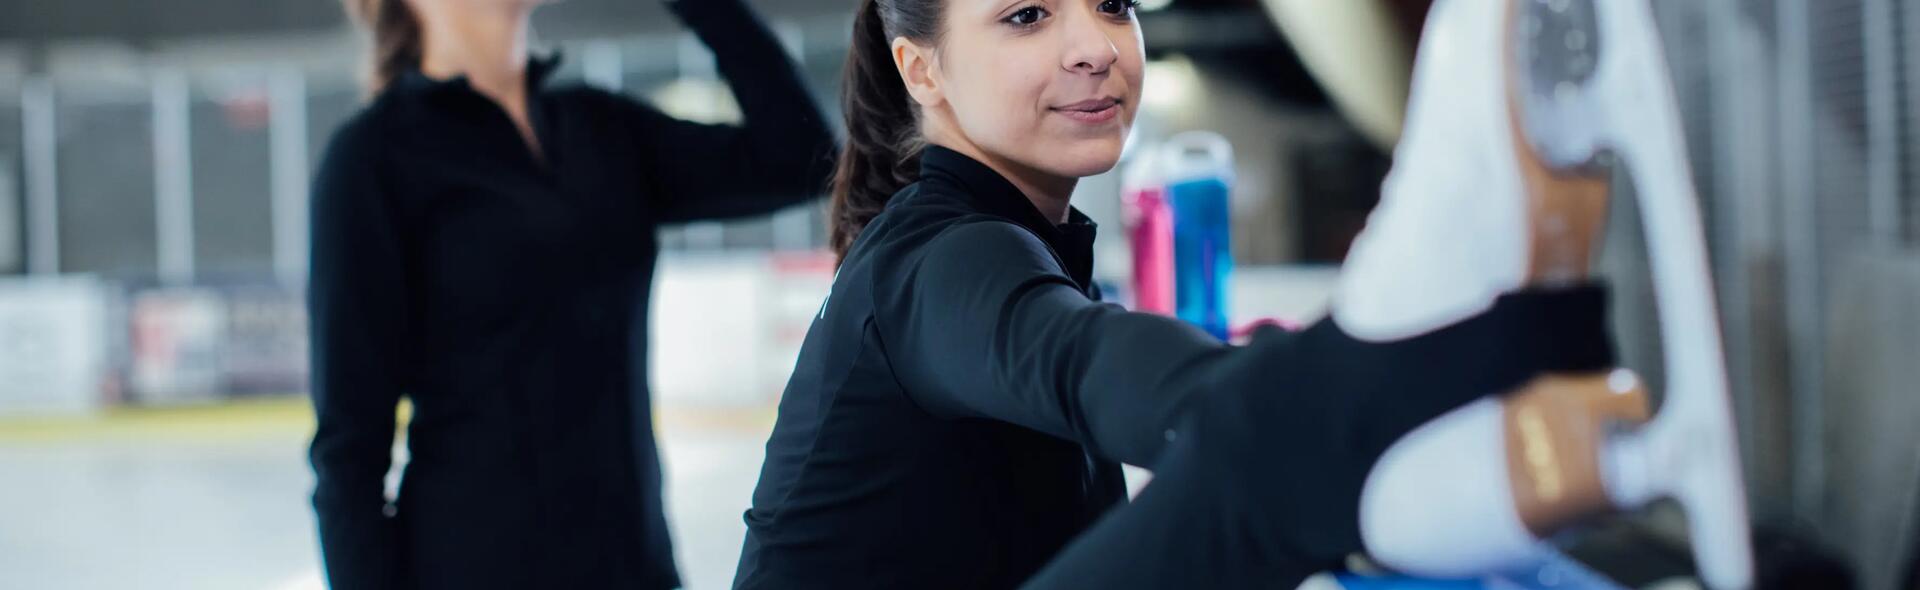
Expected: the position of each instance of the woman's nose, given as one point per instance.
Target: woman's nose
(1090, 49)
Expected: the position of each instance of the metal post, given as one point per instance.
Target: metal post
(793, 226)
(40, 146)
(287, 133)
(173, 176)
(1742, 204)
(10, 251)
(1910, 35)
(1883, 116)
(1800, 236)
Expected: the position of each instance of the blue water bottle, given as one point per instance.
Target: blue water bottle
(1199, 175)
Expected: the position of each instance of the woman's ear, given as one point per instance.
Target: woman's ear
(917, 71)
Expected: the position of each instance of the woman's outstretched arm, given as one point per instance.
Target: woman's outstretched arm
(986, 324)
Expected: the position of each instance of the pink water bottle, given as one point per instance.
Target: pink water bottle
(1149, 225)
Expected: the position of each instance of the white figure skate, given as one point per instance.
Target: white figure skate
(1519, 110)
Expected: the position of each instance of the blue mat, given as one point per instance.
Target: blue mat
(1556, 572)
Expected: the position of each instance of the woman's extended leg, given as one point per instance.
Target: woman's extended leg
(1476, 207)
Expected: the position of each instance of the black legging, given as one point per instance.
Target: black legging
(1262, 486)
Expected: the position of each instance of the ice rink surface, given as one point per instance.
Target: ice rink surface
(191, 501)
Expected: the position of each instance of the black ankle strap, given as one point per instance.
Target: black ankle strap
(1559, 329)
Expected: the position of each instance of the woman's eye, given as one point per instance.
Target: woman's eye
(1027, 16)
(1118, 7)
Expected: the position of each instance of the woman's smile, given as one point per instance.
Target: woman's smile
(1099, 111)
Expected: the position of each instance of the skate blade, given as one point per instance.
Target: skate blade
(1591, 89)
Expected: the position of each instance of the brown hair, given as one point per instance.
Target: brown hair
(396, 38)
(883, 129)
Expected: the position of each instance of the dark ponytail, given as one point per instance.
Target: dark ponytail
(883, 131)
(396, 38)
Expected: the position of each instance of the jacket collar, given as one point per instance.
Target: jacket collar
(539, 69)
(987, 192)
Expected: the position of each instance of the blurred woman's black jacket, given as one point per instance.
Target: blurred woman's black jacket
(505, 294)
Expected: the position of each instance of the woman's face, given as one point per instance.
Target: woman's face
(1052, 85)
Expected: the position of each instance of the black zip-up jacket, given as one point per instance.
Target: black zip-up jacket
(962, 400)
(505, 295)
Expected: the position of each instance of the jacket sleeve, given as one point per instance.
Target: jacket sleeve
(357, 312)
(781, 155)
(988, 325)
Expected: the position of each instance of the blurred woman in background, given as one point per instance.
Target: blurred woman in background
(483, 246)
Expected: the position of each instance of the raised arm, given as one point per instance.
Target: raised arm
(781, 154)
